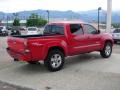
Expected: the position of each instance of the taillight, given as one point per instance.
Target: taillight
(27, 51)
(26, 48)
(25, 43)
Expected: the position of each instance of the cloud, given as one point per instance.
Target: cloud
(75, 5)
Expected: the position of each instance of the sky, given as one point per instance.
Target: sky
(62, 5)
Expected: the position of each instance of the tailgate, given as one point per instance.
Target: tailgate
(16, 44)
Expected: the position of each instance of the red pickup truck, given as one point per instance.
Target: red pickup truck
(59, 41)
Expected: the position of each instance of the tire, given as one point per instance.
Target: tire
(115, 42)
(15, 59)
(32, 62)
(107, 51)
(55, 60)
(6, 34)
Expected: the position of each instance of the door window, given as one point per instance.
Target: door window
(76, 29)
(116, 31)
(89, 29)
(54, 29)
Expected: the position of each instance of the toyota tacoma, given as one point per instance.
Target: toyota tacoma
(59, 40)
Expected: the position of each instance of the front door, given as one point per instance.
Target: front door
(94, 40)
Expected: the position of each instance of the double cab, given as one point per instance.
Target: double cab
(59, 40)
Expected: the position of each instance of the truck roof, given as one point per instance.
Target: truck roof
(67, 22)
(71, 22)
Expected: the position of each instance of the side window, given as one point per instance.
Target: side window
(47, 29)
(116, 31)
(89, 29)
(58, 29)
(76, 29)
(54, 29)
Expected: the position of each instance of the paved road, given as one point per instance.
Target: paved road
(82, 72)
(7, 86)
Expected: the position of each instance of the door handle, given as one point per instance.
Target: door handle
(88, 37)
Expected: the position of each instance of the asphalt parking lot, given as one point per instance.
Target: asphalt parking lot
(82, 72)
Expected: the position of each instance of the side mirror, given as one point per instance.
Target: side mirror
(98, 31)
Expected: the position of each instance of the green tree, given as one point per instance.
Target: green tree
(116, 25)
(16, 22)
(33, 16)
(35, 20)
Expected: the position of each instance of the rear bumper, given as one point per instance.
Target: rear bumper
(3, 34)
(116, 39)
(19, 56)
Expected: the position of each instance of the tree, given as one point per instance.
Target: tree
(33, 16)
(35, 20)
(116, 25)
(16, 22)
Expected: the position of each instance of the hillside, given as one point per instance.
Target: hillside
(87, 16)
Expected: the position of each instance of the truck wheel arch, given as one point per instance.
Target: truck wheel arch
(56, 48)
(106, 41)
(107, 50)
(109, 42)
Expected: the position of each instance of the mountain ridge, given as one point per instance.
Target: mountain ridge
(88, 16)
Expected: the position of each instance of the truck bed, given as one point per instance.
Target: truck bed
(27, 36)
(34, 36)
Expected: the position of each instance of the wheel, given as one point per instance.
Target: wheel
(55, 60)
(107, 51)
(16, 59)
(3, 34)
(6, 34)
(115, 42)
(32, 62)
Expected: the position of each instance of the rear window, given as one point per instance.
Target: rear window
(32, 29)
(54, 29)
(116, 31)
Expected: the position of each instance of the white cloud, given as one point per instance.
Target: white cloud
(76, 5)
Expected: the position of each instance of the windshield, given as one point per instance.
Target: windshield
(54, 29)
(32, 29)
(1, 28)
(116, 31)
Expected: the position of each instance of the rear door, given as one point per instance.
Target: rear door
(93, 40)
(78, 39)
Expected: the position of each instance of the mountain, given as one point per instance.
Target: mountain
(93, 15)
(88, 16)
(43, 13)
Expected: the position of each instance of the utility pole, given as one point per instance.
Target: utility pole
(99, 18)
(7, 20)
(109, 15)
(48, 15)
